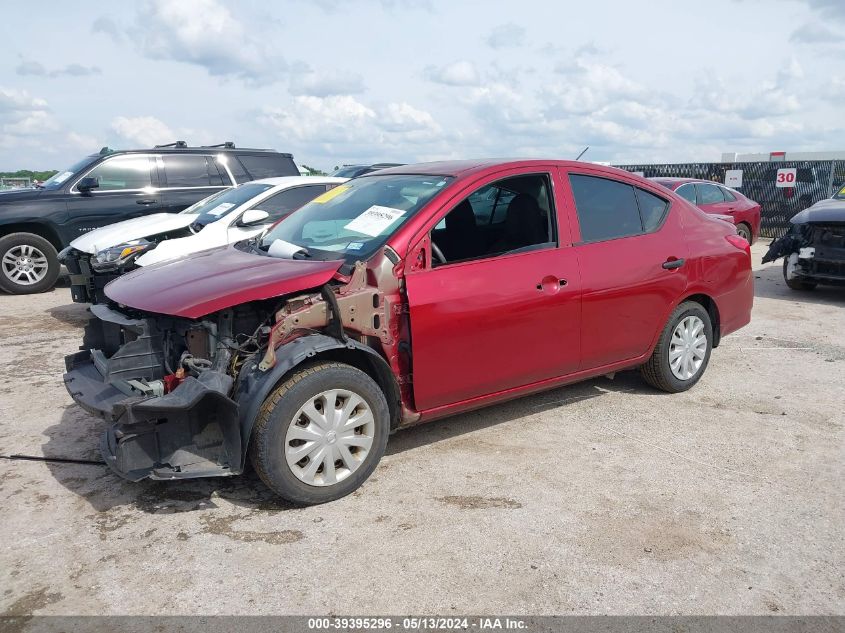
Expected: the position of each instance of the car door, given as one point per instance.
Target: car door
(188, 178)
(489, 320)
(277, 207)
(128, 188)
(632, 257)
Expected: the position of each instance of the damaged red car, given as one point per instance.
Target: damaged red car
(401, 297)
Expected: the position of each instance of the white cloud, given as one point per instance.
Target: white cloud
(460, 73)
(29, 67)
(325, 84)
(813, 33)
(142, 131)
(508, 35)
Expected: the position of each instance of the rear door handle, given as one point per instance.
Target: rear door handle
(672, 263)
(146, 201)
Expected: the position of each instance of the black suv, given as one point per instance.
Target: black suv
(35, 224)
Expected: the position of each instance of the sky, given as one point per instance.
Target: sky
(358, 81)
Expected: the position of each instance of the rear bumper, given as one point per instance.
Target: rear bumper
(190, 432)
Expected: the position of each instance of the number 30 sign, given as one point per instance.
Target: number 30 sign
(786, 177)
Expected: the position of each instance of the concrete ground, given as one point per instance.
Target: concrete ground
(604, 497)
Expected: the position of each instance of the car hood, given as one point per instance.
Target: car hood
(8, 196)
(829, 210)
(144, 227)
(214, 280)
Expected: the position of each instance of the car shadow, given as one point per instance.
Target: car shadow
(769, 284)
(76, 436)
(76, 314)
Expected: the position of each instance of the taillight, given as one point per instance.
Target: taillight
(740, 243)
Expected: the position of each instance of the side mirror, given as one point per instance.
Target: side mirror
(87, 184)
(253, 216)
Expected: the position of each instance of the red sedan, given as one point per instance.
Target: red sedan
(400, 297)
(717, 199)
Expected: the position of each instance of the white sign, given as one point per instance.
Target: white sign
(786, 177)
(733, 178)
(375, 220)
(220, 209)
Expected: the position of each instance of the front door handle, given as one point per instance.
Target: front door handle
(673, 262)
(146, 201)
(551, 284)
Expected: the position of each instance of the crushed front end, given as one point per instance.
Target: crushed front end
(814, 253)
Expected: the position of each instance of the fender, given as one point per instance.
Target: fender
(254, 385)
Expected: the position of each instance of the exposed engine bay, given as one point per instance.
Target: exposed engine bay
(181, 394)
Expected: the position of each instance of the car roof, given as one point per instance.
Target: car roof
(680, 181)
(190, 150)
(461, 168)
(295, 181)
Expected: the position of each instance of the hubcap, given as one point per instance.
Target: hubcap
(330, 437)
(25, 265)
(687, 348)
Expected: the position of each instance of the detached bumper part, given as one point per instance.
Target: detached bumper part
(191, 432)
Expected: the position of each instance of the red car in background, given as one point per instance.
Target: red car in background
(717, 199)
(401, 297)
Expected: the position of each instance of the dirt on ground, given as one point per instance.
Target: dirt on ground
(602, 497)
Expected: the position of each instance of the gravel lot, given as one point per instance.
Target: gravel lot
(603, 497)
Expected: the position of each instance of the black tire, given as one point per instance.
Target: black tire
(657, 371)
(744, 231)
(268, 445)
(9, 244)
(796, 284)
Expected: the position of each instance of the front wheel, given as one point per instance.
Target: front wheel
(682, 351)
(795, 283)
(28, 264)
(320, 434)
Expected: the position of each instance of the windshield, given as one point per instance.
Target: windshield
(349, 172)
(355, 219)
(58, 179)
(215, 207)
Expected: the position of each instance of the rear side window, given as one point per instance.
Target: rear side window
(709, 194)
(189, 171)
(652, 209)
(285, 202)
(687, 192)
(268, 165)
(606, 209)
(236, 168)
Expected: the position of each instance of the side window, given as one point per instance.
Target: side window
(267, 166)
(186, 170)
(606, 209)
(511, 215)
(236, 168)
(289, 200)
(687, 192)
(729, 196)
(652, 209)
(709, 194)
(123, 172)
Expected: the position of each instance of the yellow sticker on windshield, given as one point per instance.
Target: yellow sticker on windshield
(842, 191)
(330, 194)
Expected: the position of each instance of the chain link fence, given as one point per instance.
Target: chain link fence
(813, 181)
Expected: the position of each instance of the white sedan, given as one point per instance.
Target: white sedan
(229, 216)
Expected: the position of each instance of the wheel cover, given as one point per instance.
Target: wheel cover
(24, 264)
(330, 437)
(687, 348)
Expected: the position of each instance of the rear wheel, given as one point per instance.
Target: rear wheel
(320, 434)
(682, 351)
(794, 283)
(744, 231)
(28, 264)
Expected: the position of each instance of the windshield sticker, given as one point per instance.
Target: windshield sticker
(60, 178)
(331, 194)
(355, 246)
(220, 209)
(284, 250)
(842, 191)
(375, 220)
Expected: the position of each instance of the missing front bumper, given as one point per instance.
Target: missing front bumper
(191, 432)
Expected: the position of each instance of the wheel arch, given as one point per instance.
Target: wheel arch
(36, 228)
(256, 386)
(709, 304)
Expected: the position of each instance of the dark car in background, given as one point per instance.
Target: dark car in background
(111, 186)
(717, 199)
(353, 171)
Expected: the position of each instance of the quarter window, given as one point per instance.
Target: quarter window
(122, 172)
(729, 196)
(709, 194)
(652, 209)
